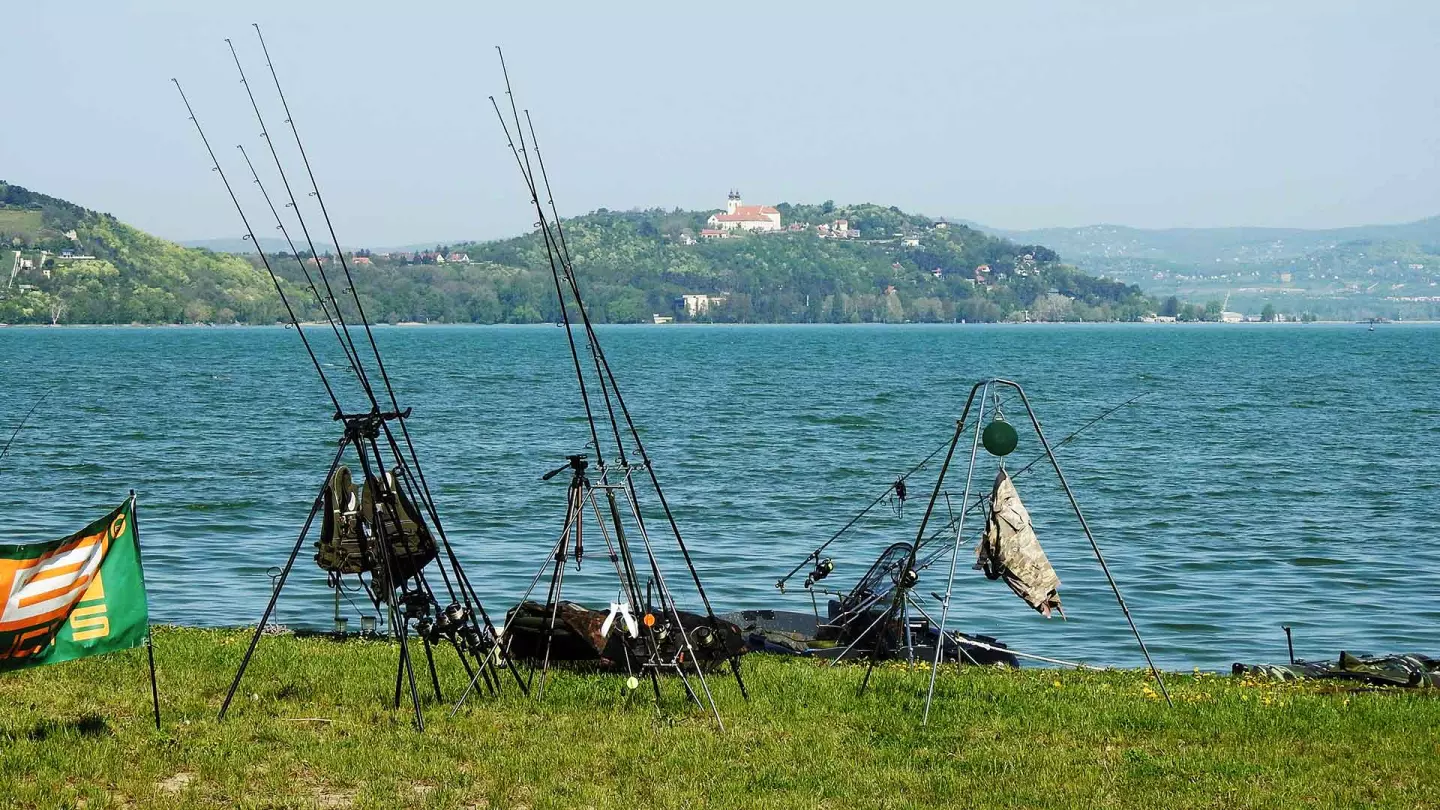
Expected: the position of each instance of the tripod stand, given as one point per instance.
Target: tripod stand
(999, 443)
(401, 587)
(656, 640)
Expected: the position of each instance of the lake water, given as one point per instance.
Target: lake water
(1272, 474)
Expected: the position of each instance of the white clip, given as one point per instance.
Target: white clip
(622, 609)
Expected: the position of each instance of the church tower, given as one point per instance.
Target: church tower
(732, 203)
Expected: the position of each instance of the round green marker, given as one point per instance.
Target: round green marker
(999, 438)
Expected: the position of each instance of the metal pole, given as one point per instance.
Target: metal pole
(1085, 527)
(280, 582)
(954, 556)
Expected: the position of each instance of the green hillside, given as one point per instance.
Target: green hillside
(89, 267)
(890, 266)
(901, 267)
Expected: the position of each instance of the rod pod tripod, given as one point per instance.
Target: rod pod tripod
(985, 392)
(406, 597)
(654, 641)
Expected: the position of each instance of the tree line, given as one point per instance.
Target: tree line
(632, 266)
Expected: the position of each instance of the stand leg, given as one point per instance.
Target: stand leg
(399, 680)
(434, 677)
(280, 583)
(954, 556)
(400, 623)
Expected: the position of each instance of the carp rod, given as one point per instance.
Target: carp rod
(815, 554)
(414, 478)
(409, 472)
(602, 362)
(562, 268)
(337, 320)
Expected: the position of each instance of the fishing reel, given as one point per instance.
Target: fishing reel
(449, 622)
(908, 578)
(822, 570)
(415, 607)
(703, 637)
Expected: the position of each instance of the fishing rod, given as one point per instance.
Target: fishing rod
(403, 589)
(347, 343)
(603, 363)
(340, 329)
(416, 476)
(250, 236)
(6, 450)
(815, 555)
(561, 265)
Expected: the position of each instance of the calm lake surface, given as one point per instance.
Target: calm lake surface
(1272, 474)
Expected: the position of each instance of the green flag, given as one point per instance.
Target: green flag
(77, 596)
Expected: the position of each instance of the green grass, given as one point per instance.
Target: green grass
(312, 728)
(21, 222)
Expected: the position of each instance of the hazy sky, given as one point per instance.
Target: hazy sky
(1015, 114)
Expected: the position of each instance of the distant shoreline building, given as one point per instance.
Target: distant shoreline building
(738, 216)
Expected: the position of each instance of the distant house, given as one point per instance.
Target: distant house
(459, 258)
(686, 237)
(658, 318)
(362, 260)
(697, 304)
(738, 216)
(910, 241)
(712, 233)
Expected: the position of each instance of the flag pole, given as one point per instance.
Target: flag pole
(149, 634)
(154, 686)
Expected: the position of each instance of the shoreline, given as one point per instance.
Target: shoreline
(928, 325)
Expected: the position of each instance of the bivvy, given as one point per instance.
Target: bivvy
(385, 531)
(644, 633)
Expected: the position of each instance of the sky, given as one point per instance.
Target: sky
(1018, 114)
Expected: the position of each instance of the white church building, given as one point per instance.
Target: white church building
(738, 216)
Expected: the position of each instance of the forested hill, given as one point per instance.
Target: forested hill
(60, 263)
(893, 266)
(67, 264)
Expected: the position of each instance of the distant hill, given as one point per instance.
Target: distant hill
(240, 245)
(890, 266)
(61, 263)
(1353, 272)
(274, 245)
(71, 265)
(1211, 245)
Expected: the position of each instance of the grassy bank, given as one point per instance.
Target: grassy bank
(313, 729)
